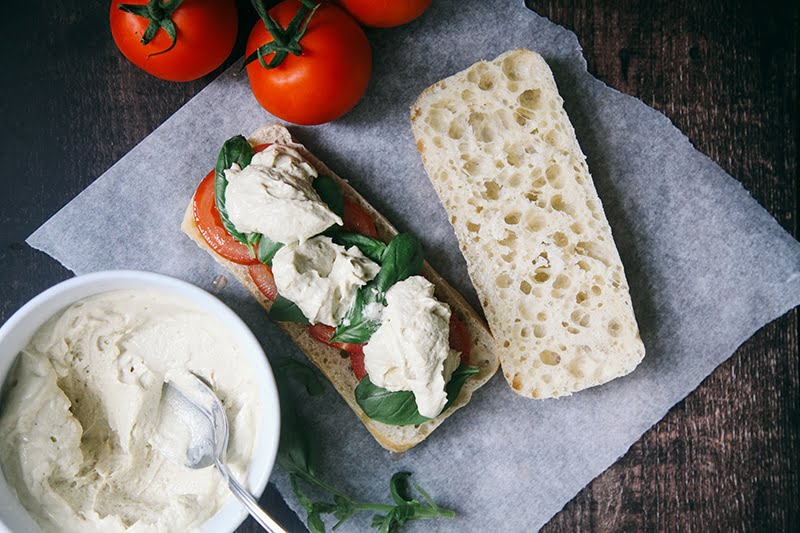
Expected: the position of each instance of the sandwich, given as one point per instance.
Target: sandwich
(399, 344)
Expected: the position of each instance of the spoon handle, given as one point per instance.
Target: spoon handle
(249, 502)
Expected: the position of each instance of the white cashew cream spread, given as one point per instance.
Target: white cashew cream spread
(274, 196)
(321, 277)
(80, 415)
(411, 350)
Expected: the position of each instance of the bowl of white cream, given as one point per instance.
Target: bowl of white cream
(82, 367)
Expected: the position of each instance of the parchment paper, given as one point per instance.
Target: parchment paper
(706, 264)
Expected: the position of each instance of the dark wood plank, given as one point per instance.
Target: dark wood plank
(726, 458)
(724, 72)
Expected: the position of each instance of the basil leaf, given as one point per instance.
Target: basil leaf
(284, 310)
(372, 248)
(400, 408)
(267, 248)
(330, 193)
(301, 373)
(401, 259)
(235, 150)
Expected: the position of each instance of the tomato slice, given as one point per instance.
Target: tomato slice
(459, 338)
(357, 362)
(209, 224)
(260, 147)
(323, 333)
(357, 220)
(262, 276)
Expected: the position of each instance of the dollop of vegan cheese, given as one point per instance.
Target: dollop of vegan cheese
(410, 351)
(82, 410)
(274, 196)
(321, 277)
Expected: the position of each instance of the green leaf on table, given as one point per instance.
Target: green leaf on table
(303, 374)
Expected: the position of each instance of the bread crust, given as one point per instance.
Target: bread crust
(329, 360)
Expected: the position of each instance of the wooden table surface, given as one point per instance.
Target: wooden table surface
(725, 458)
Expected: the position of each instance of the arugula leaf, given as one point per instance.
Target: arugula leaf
(398, 487)
(235, 150)
(401, 259)
(330, 193)
(400, 408)
(267, 248)
(372, 248)
(284, 310)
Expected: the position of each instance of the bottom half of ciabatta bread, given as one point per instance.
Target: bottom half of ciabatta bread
(331, 361)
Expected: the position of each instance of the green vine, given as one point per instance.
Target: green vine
(285, 41)
(158, 13)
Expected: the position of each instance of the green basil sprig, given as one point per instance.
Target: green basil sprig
(401, 259)
(400, 408)
(235, 150)
(298, 454)
(284, 310)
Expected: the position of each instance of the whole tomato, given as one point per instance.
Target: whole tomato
(324, 74)
(385, 13)
(204, 35)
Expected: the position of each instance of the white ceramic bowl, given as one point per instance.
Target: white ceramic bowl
(17, 331)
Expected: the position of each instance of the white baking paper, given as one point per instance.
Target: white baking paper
(706, 264)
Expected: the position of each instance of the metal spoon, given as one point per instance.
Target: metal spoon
(205, 437)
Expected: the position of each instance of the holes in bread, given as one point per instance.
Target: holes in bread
(534, 223)
(514, 155)
(560, 240)
(559, 204)
(576, 228)
(550, 358)
(614, 328)
(456, 131)
(481, 126)
(474, 74)
(516, 382)
(532, 196)
(583, 265)
(437, 142)
(506, 344)
(581, 297)
(525, 114)
(517, 66)
(487, 81)
(539, 331)
(524, 332)
(555, 177)
(541, 276)
(547, 379)
(512, 86)
(592, 250)
(509, 241)
(509, 257)
(541, 317)
(467, 95)
(512, 219)
(473, 227)
(438, 119)
(597, 291)
(562, 282)
(472, 167)
(530, 99)
(503, 281)
(525, 287)
(580, 318)
(491, 190)
(514, 180)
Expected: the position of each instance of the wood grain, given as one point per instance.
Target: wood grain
(726, 458)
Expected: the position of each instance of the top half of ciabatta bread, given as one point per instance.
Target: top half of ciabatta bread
(503, 158)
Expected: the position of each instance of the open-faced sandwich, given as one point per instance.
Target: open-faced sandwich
(400, 345)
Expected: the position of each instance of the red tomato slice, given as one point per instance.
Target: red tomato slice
(357, 362)
(459, 338)
(209, 224)
(262, 276)
(260, 147)
(323, 333)
(357, 220)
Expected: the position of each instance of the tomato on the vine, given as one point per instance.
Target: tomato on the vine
(319, 73)
(385, 13)
(175, 40)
